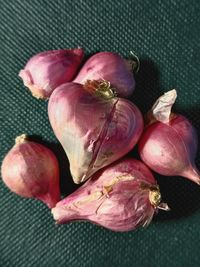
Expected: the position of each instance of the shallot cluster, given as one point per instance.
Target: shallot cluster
(97, 127)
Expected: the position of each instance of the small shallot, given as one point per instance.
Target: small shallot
(110, 67)
(31, 170)
(169, 142)
(121, 197)
(47, 70)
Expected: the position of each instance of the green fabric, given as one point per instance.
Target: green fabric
(165, 35)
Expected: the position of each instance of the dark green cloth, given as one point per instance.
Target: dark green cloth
(166, 37)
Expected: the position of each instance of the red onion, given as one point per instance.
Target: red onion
(47, 70)
(31, 170)
(169, 143)
(121, 198)
(110, 67)
(94, 127)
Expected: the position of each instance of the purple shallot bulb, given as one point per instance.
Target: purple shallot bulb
(169, 142)
(47, 70)
(121, 197)
(94, 127)
(31, 170)
(110, 67)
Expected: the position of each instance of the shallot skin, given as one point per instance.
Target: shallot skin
(121, 197)
(111, 67)
(47, 70)
(93, 131)
(31, 170)
(170, 148)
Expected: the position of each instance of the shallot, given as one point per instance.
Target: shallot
(47, 70)
(169, 142)
(121, 197)
(31, 170)
(111, 67)
(94, 127)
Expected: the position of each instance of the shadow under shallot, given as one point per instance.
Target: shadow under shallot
(67, 186)
(181, 195)
(147, 88)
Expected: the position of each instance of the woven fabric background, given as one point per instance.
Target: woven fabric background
(166, 37)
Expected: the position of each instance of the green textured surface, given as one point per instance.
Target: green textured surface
(166, 37)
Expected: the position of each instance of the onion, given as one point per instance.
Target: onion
(121, 197)
(94, 127)
(47, 70)
(169, 142)
(111, 67)
(31, 170)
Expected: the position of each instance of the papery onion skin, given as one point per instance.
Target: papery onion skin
(121, 197)
(111, 67)
(31, 170)
(94, 132)
(47, 70)
(170, 148)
